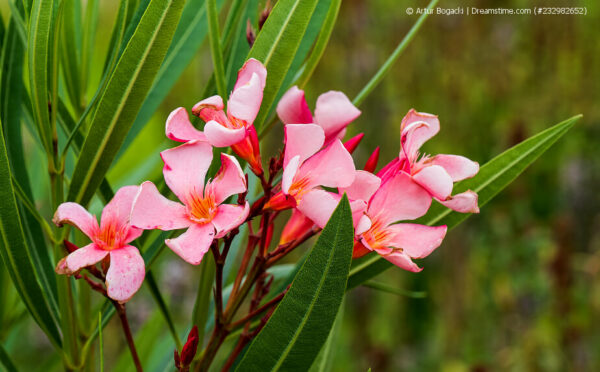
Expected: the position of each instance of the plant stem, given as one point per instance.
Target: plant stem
(125, 324)
(383, 70)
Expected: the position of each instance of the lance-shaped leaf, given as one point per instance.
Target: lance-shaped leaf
(17, 257)
(494, 176)
(124, 95)
(276, 46)
(295, 333)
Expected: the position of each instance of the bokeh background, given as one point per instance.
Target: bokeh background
(516, 287)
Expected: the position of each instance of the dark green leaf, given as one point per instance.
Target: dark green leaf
(295, 333)
(494, 176)
(5, 361)
(123, 97)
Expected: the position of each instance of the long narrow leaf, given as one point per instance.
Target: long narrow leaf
(492, 178)
(124, 96)
(17, 256)
(5, 361)
(295, 333)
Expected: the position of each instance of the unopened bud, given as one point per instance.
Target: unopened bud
(353, 142)
(250, 34)
(371, 163)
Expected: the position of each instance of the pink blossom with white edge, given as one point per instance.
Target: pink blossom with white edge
(202, 211)
(306, 169)
(436, 174)
(127, 270)
(333, 112)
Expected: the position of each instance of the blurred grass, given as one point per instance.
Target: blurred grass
(514, 288)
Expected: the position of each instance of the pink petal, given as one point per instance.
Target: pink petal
(363, 225)
(297, 225)
(229, 180)
(244, 102)
(318, 205)
(151, 210)
(465, 202)
(252, 66)
(221, 136)
(401, 260)
(458, 167)
(331, 167)
(416, 139)
(229, 217)
(186, 166)
(334, 112)
(74, 214)
(417, 241)
(180, 128)
(118, 210)
(125, 274)
(292, 107)
(399, 199)
(364, 186)
(302, 140)
(289, 172)
(436, 180)
(85, 256)
(358, 209)
(194, 243)
(211, 108)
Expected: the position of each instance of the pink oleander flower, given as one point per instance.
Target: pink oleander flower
(398, 199)
(127, 270)
(305, 168)
(234, 128)
(436, 174)
(333, 112)
(202, 211)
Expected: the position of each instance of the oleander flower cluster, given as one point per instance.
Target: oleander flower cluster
(313, 171)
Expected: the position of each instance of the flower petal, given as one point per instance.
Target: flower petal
(458, 167)
(186, 166)
(229, 180)
(417, 241)
(292, 107)
(118, 210)
(211, 108)
(151, 210)
(83, 257)
(194, 243)
(289, 172)
(74, 214)
(297, 225)
(364, 186)
(302, 140)
(334, 112)
(125, 274)
(465, 202)
(252, 66)
(436, 180)
(419, 136)
(179, 127)
(402, 260)
(363, 225)
(221, 136)
(331, 167)
(229, 217)
(244, 101)
(399, 199)
(318, 205)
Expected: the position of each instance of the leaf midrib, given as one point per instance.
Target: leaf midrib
(117, 114)
(280, 34)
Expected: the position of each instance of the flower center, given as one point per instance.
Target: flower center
(202, 210)
(111, 236)
(377, 236)
(299, 188)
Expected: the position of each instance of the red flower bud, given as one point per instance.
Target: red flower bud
(353, 142)
(371, 163)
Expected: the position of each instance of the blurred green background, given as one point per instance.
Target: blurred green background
(514, 288)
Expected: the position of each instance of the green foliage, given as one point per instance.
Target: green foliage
(124, 96)
(300, 325)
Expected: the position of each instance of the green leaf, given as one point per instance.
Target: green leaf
(17, 256)
(324, 361)
(203, 296)
(216, 48)
(494, 176)
(39, 59)
(162, 306)
(123, 97)
(5, 361)
(393, 290)
(188, 38)
(300, 325)
(70, 31)
(276, 46)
